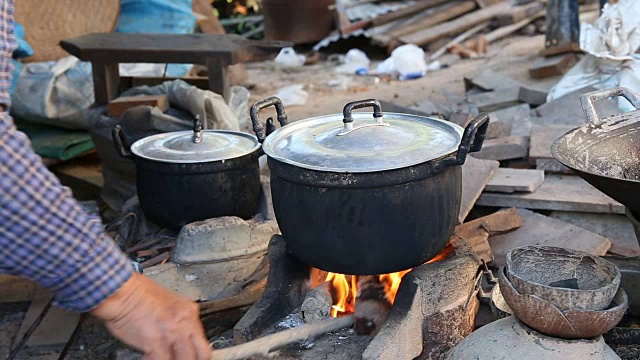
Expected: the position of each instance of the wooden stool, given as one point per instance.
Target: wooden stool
(106, 50)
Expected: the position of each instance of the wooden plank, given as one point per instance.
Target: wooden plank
(500, 98)
(168, 48)
(505, 148)
(617, 228)
(442, 13)
(498, 223)
(487, 3)
(127, 82)
(557, 192)
(552, 66)
(118, 106)
(504, 31)
(520, 13)
(542, 230)
(55, 329)
(477, 232)
(509, 181)
(475, 175)
(392, 16)
(16, 289)
(106, 82)
(542, 136)
(455, 26)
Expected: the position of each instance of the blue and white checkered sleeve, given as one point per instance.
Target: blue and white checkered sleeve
(46, 236)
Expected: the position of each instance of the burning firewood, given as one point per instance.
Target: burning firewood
(372, 305)
(317, 304)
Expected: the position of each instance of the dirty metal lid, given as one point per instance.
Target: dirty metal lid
(183, 146)
(358, 142)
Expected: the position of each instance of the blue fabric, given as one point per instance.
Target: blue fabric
(158, 17)
(44, 233)
(22, 50)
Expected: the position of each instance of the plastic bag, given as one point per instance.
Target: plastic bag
(289, 58)
(610, 43)
(293, 95)
(239, 104)
(407, 60)
(354, 62)
(54, 93)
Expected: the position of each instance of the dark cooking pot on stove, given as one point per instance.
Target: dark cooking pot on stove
(360, 195)
(187, 176)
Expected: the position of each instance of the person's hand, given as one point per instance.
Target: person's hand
(155, 320)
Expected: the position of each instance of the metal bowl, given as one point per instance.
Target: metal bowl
(566, 278)
(545, 317)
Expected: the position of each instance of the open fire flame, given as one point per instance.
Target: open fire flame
(344, 288)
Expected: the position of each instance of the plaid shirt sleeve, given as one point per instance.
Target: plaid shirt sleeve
(44, 233)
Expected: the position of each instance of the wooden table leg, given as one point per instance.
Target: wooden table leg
(219, 78)
(106, 82)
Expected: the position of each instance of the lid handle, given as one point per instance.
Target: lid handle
(348, 118)
(197, 130)
(588, 101)
(258, 128)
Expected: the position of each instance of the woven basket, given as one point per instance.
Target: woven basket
(46, 22)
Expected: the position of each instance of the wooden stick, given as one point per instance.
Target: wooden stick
(243, 299)
(156, 260)
(389, 17)
(501, 32)
(458, 39)
(457, 25)
(263, 346)
(447, 12)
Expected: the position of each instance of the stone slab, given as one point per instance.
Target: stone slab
(514, 119)
(532, 95)
(495, 100)
(507, 180)
(617, 228)
(504, 148)
(542, 136)
(557, 192)
(488, 80)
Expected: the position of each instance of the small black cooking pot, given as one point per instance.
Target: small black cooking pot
(362, 197)
(187, 176)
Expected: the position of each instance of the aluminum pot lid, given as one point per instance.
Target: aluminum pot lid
(360, 143)
(195, 146)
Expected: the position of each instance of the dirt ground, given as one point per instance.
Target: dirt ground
(512, 56)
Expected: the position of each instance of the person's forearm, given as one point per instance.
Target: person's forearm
(46, 236)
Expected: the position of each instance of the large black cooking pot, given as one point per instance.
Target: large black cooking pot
(362, 196)
(606, 151)
(187, 176)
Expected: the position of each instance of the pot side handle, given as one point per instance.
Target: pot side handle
(258, 128)
(120, 143)
(588, 101)
(473, 137)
